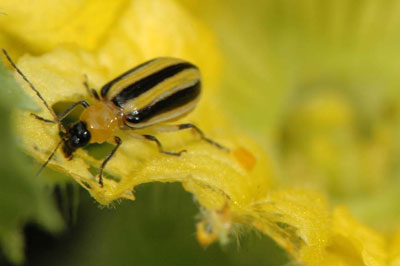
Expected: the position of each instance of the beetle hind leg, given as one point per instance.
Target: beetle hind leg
(156, 141)
(160, 147)
(172, 128)
(202, 135)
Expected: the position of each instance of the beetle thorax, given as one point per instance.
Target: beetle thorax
(102, 120)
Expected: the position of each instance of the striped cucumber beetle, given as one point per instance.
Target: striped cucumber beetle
(160, 90)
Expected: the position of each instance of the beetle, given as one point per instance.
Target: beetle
(161, 90)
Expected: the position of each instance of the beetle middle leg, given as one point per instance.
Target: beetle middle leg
(90, 91)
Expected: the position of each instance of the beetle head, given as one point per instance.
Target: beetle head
(77, 136)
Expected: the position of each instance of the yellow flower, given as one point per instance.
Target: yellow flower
(59, 43)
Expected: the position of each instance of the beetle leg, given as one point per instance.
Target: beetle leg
(118, 141)
(90, 91)
(160, 147)
(71, 108)
(154, 139)
(172, 128)
(64, 114)
(43, 119)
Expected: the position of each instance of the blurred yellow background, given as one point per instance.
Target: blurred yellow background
(318, 82)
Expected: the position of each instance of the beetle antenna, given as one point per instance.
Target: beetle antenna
(50, 157)
(33, 88)
(61, 126)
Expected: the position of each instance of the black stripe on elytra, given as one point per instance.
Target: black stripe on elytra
(106, 88)
(173, 101)
(147, 83)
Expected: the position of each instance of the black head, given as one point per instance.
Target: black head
(77, 136)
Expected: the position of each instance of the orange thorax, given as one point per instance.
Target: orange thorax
(101, 120)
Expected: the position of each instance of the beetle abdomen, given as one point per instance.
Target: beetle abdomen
(159, 90)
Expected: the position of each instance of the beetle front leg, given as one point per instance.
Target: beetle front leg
(118, 141)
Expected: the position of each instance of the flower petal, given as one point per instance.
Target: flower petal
(44, 24)
(353, 243)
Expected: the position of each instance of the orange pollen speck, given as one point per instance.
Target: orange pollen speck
(245, 158)
(101, 119)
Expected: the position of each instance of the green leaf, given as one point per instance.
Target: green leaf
(12, 95)
(24, 197)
